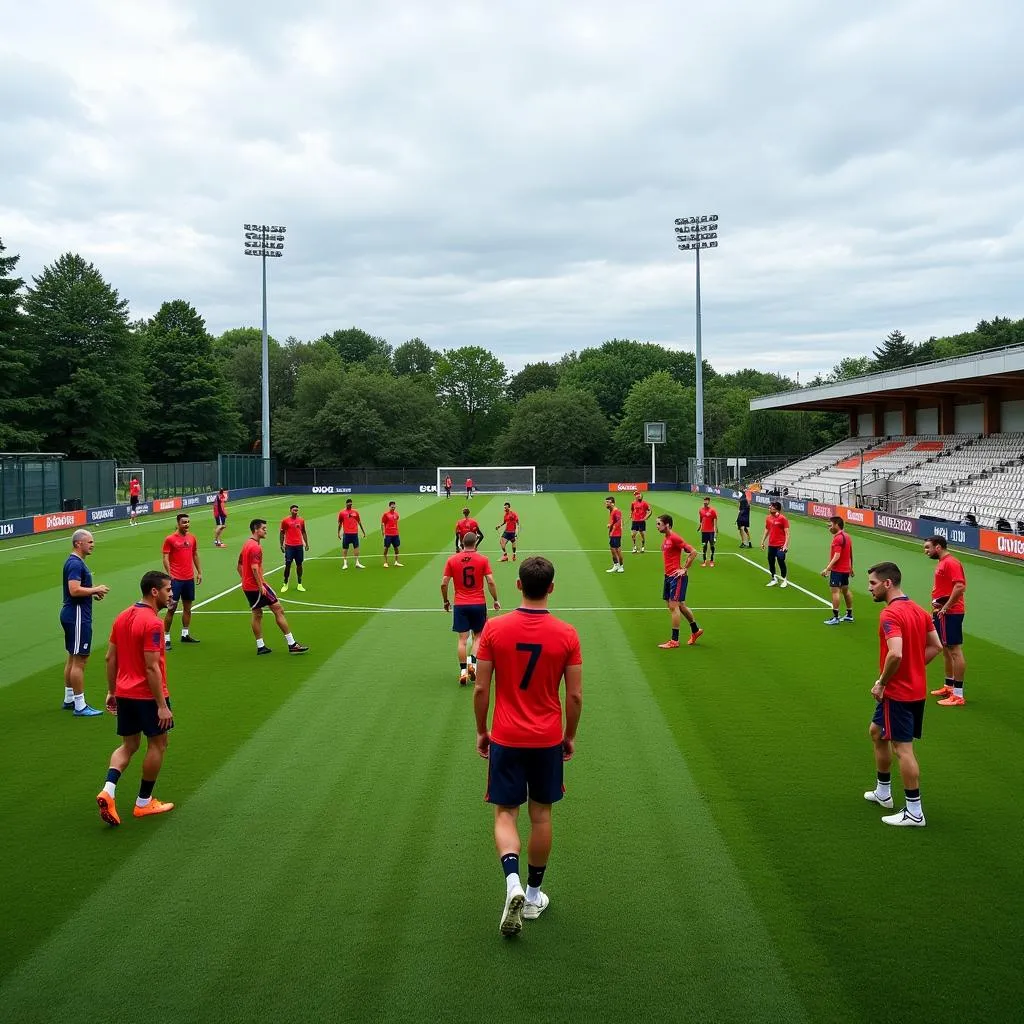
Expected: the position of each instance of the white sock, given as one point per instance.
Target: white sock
(110, 788)
(79, 701)
(184, 632)
(289, 639)
(260, 643)
(344, 563)
(167, 638)
(883, 789)
(533, 894)
(139, 802)
(69, 695)
(512, 882)
(958, 691)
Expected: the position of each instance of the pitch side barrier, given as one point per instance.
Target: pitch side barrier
(1008, 545)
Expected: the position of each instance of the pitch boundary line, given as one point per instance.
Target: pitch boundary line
(323, 609)
(767, 572)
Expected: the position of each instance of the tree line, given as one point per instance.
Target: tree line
(77, 375)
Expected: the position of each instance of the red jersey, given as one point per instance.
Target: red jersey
(639, 511)
(135, 488)
(947, 572)
(182, 553)
(389, 524)
(469, 483)
(777, 525)
(218, 506)
(842, 546)
(467, 525)
(530, 650)
(348, 520)
(672, 548)
(708, 519)
(903, 618)
(614, 522)
(467, 570)
(136, 630)
(511, 521)
(292, 530)
(249, 561)
(448, 483)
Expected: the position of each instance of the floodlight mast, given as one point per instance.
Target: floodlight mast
(265, 240)
(698, 233)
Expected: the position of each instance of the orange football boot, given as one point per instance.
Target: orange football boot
(153, 807)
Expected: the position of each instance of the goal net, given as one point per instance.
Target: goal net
(124, 479)
(488, 479)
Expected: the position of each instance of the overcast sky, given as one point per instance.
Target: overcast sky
(507, 173)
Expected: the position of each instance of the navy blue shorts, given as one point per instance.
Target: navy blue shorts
(518, 774)
(615, 542)
(77, 632)
(674, 588)
(469, 618)
(392, 542)
(220, 520)
(707, 538)
(639, 526)
(135, 716)
(777, 553)
(183, 590)
(509, 536)
(899, 720)
(259, 598)
(950, 629)
(743, 521)
(838, 579)
(294, 553)
(350, 540)
(134, 501)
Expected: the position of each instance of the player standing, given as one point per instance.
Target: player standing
(511, 532)
(134, 491)
(389, 528)
(639, 513)
(294, 544)
(76, 621)
(350, 525)
(181, 564)
(614, 535)
(469, 570)
(839, 570)
(447, 486)
(137, 694)
(776, 533)
(908, 642)
(948, 615)
(220, 517)
(673, 590)
(258, 593)
(469, 487)
(708, 531)
(743, 520)
(467, 524)
(528, 653)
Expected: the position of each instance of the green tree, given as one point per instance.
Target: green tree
(532, 377)
(239, 351)
(555, 428)
(357, 346)
(17, 405)
(414, 358)
(471, 382)
(895, 352)
(657, 398)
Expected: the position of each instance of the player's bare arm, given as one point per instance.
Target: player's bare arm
(111, 662)
(305, 537)
(932, 647)
(573, 708)
(154, 681)
(445, 580)
(280, 540)
(893, 658)
(958, 591)
(167, 563)
(493, 588)
(785, 545)
(75, 589)
(832, 562)
(481, 704)
(195, 562)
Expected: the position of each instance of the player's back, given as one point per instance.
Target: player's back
(467, 571)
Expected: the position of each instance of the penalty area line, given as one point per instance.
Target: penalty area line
(337, 609)
(795, 586)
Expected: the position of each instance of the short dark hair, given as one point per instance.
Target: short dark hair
(153, 580)
(665, 518)
(181, 515)
(939, 541)
(348, 501)
(255, 524)
(610, 498)
(469, 540)
(838, 520)
(707, 497)
(777, 505)
(465, 511)
(536, 574)
(508, 504)
(390, 503)
(887, 571)
(296, 507)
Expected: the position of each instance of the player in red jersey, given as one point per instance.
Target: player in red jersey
(467, 524)
(639, 513)
(220, 517)
(839, 570)
(447, 486)
(469, 571)
(469, 487)
(510, 522)
(294, 543)
(948, 611)
(134, 493)
(137, 694)
(529, 653)
(673, 590)
(708, 531)
(350, 525)
(908, 642)
(389, 528)
(181, 563)
(776, 534)
(614, 535)
(258, 593)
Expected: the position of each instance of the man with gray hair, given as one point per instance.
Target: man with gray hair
(76, 620)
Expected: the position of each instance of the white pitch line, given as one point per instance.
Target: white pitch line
(230, 590)
(796, 586)
(343, 610)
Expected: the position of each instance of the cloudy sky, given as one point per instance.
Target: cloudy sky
(507, 173)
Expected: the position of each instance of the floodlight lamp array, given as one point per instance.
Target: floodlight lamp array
(264, 239)
(697, 232)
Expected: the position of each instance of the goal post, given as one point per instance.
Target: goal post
(122, 478)
(488, 479)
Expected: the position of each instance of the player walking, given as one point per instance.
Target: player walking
(511, 532)
(76, 621)
(839, 570)
(350, 525)
(220, 517)
(528, 653)
(614, 535)
(639, 513)
(389, 528)
(469, 570)
(294, 544)
(908, 642)
(467, 524)
(948, 615)
(181, 564)
(137, 694)
(743, 520)
(673, 590)
(447, 486)
(134, 492)
(708, 531)
(469, 487)
(258, 593)
(776, 534)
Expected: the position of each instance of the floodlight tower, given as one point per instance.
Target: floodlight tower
(265, 240)
(698, 233)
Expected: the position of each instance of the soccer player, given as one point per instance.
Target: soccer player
(948, 616)
(447, 486)
(350, 525)
(137, 694)
(511, 523)
(76, 621)
(614, 535)
(470, 571)
(294, 544)
(708, 531)
(673, 590)
(839, 570)
(181, 563)
(134, 491)
(528, 653)
(258, 593)
(389, 528)
(220, 517)
(776, 534)
(908, 642)
(469, 487)
(743, 520)
(467, 524)
(639, 513)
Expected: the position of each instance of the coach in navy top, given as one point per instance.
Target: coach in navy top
(76, 620)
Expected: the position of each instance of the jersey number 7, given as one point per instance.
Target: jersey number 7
(535, 651)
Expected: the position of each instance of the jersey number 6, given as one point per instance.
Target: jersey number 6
(535, 651)
(469, 577)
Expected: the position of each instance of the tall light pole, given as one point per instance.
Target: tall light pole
(265, 240)
(698, 233)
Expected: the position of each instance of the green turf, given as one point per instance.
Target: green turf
(330, 856)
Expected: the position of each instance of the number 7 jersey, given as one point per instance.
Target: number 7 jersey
(530, 650)
(467, 571)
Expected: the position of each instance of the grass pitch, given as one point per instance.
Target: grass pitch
(330, 856)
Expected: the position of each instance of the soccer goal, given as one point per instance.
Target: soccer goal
(489, 479)
(123, 477)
